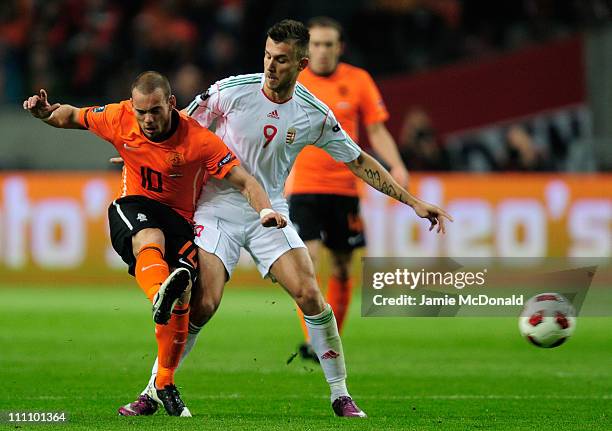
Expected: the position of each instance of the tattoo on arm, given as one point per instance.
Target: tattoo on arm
(401, 199)
(383, 186)
(374, 176)
(388, 190)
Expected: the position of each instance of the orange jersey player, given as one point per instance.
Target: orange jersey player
(170, 171)
(167, 155)
(322, 192)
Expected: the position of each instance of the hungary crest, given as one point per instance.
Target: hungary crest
(290, 138)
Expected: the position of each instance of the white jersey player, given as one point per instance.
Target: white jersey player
(267, 137)
(266, 119)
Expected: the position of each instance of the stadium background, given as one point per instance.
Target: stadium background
(485, 84)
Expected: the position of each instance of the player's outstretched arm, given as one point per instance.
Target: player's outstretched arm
(56, 115)
(372, 172)
(256, 196)
(384, 145)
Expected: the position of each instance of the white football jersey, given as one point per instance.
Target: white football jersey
(266, 136)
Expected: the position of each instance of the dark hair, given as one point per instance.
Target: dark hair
(149, 81)
(327, 22)
(291, 31)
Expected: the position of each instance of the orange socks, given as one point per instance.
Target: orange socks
(339, 293)
(171, 340)
(151, 269)
(303, 323)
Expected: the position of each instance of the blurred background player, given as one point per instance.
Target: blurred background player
(165, 153)
(323, 201)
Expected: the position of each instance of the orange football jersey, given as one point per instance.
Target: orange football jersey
(172, 171)
(352, 95)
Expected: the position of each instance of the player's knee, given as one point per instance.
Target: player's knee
(148, 236)
(209, 306)
(309, 299)
(204, 309)
(341, 265)
(306, 282)
(341, 272)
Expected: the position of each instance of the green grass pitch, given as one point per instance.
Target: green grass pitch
(86, 351)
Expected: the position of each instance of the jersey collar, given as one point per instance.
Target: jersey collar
(261, 87)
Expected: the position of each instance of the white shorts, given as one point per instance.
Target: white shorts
(223, 229)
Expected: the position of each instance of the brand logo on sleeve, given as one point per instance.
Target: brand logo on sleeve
(99, 108)
(228, 158)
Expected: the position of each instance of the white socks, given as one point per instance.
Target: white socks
(338, 389)
(192, 337)
(325, 341)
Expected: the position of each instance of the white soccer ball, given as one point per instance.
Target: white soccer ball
(547, 320)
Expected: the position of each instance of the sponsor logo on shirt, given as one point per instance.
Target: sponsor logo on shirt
(274, 114)
(99, 108)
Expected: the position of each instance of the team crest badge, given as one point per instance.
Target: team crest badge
(176, 159)
(290, 138)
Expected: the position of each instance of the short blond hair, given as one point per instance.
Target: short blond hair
(149, 81)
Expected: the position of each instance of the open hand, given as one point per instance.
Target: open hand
(39, 106)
